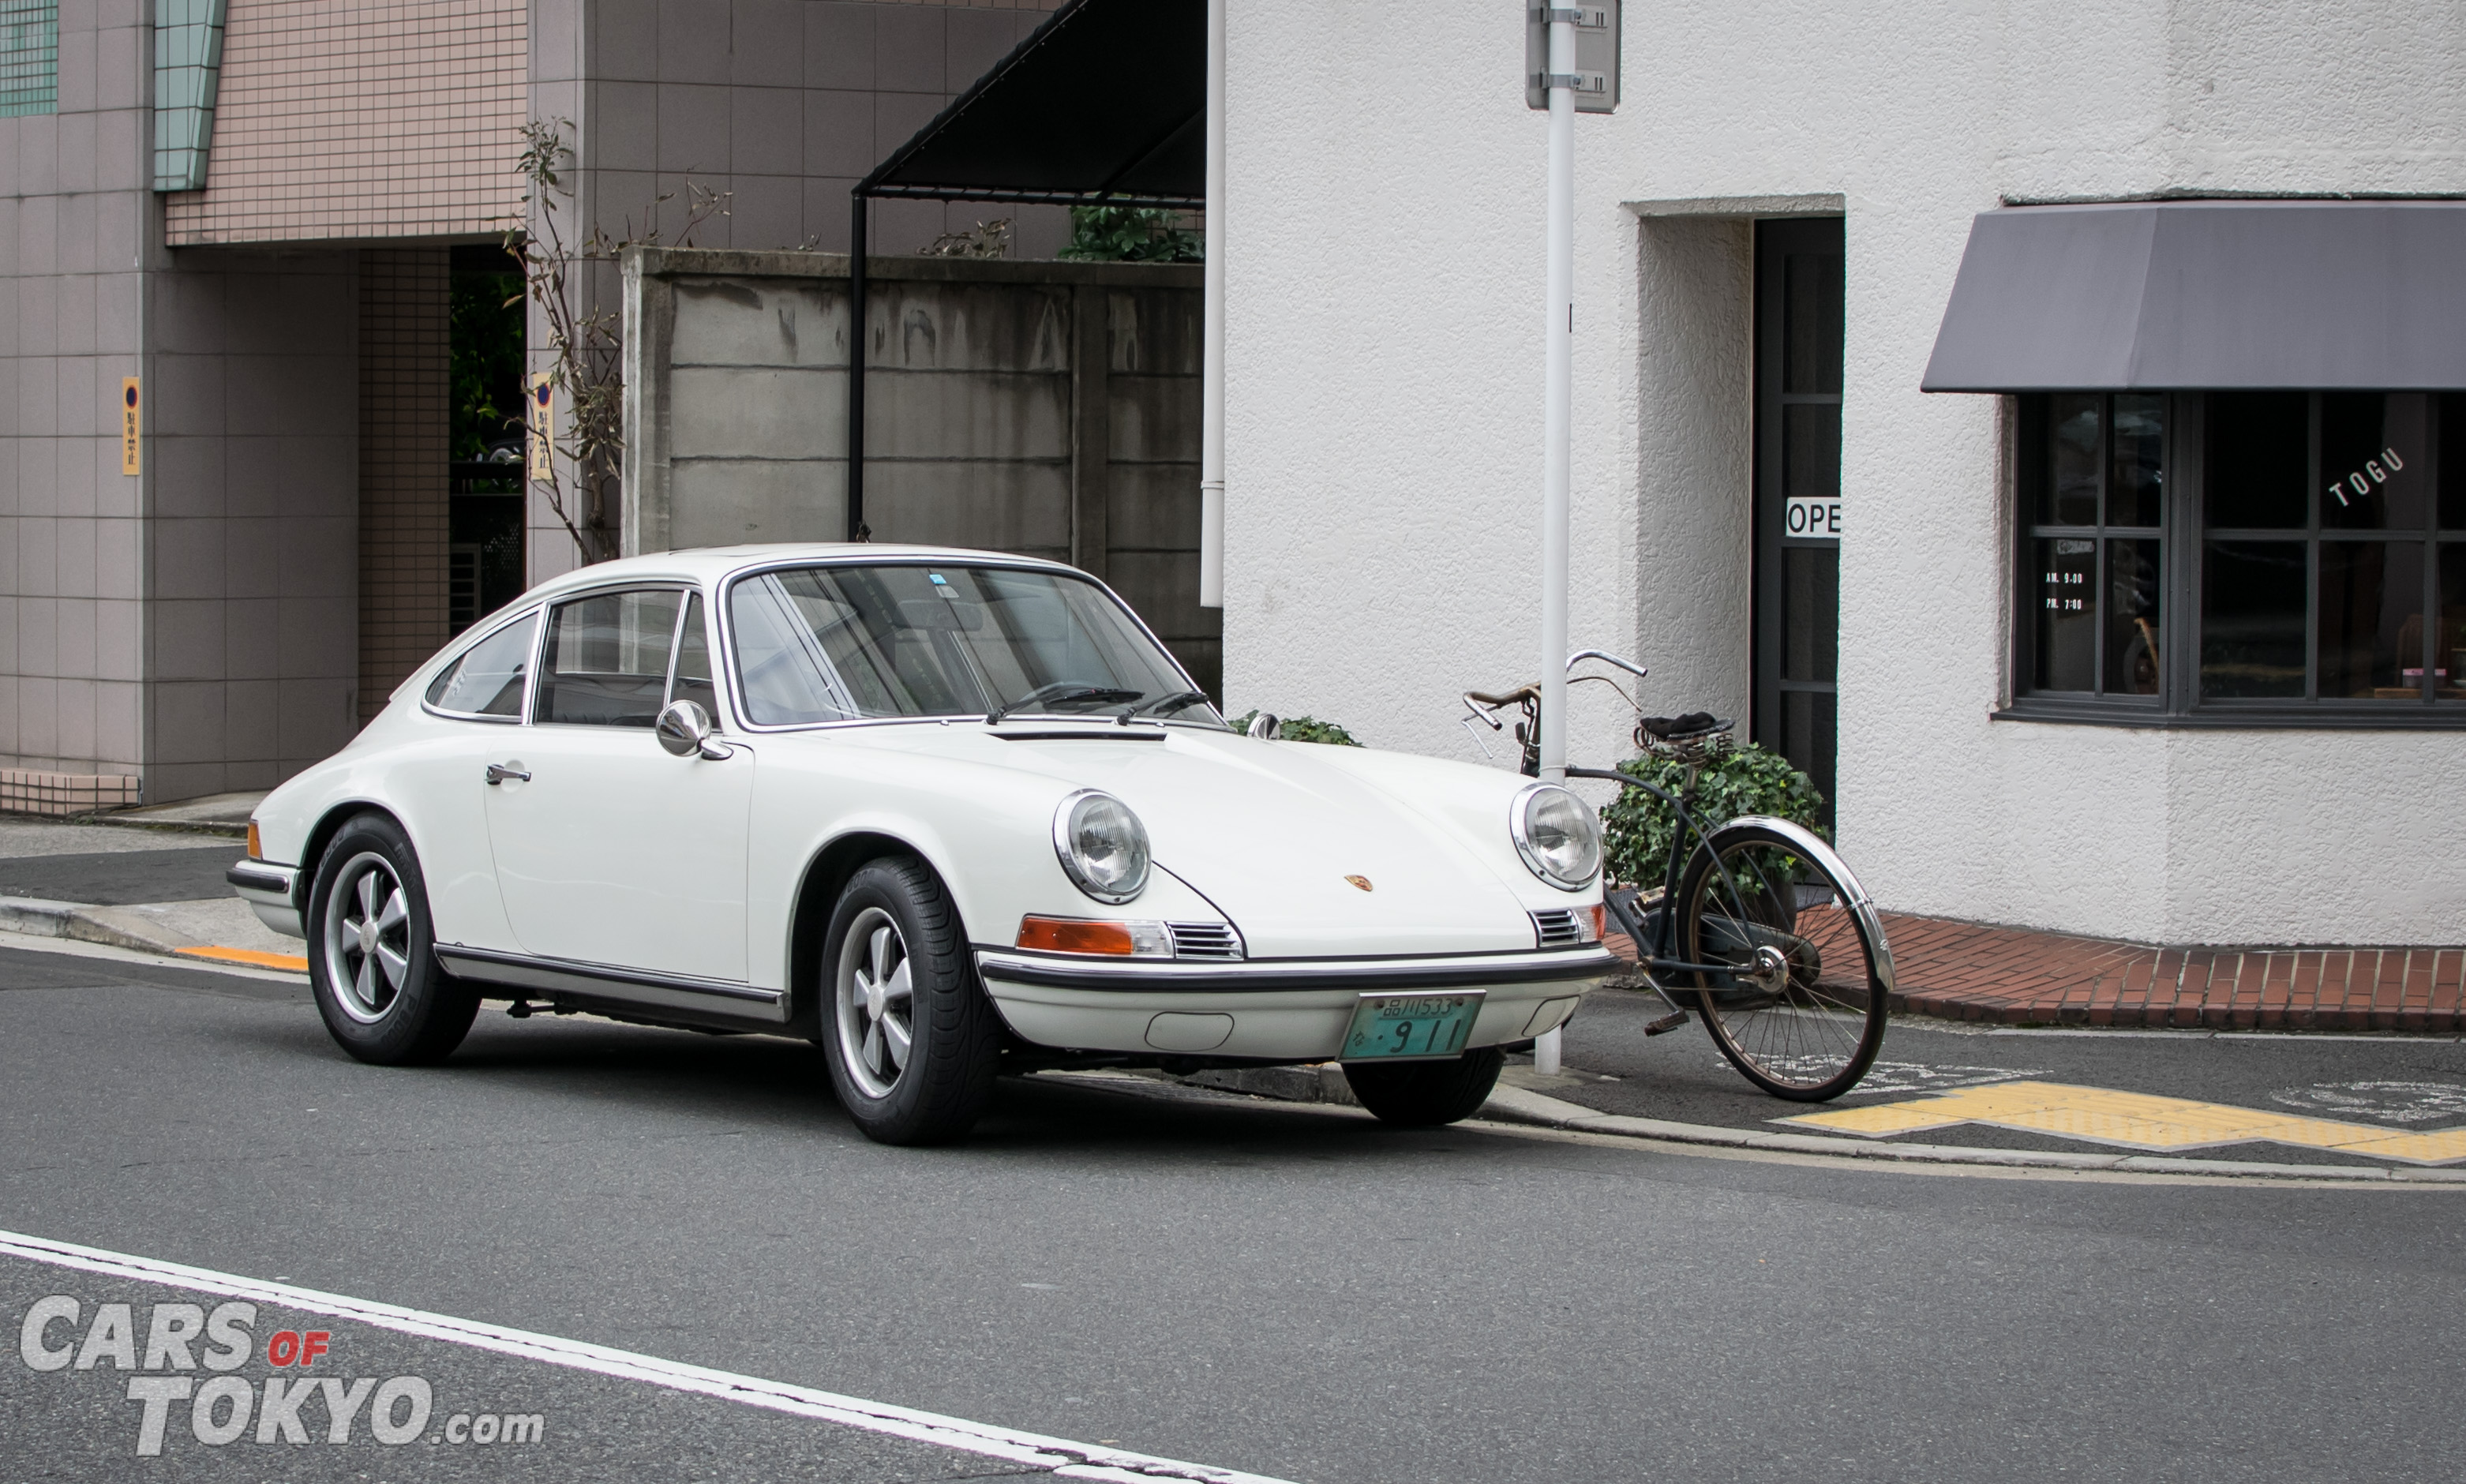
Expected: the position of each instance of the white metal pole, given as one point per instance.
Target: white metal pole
(1558, 456)
(1211, 456)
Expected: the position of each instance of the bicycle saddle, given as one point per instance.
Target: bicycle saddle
(1681, 729)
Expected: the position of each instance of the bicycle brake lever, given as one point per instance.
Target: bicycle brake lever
(1478, 740)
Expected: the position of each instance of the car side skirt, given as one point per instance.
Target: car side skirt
(560, 976)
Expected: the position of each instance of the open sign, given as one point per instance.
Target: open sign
(1813, 517)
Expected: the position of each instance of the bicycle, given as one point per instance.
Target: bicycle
(1760, 927)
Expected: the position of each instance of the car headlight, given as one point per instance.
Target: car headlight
(1556, 835)
(1102, 844)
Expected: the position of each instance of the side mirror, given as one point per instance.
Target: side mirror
(1265, 725)
(684, 731)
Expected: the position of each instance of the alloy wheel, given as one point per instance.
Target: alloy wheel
(368, 937)
(876, 1002)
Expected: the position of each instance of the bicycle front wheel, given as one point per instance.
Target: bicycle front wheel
(1784, 957)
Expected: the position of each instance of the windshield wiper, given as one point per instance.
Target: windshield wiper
(1179, 700)
(1060, 692)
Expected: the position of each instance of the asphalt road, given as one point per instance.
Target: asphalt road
(1287, 1290)
(181, 873)
(2408, 1082)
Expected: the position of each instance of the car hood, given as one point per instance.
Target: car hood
(1306, 858)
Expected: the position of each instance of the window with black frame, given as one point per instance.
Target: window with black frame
(2308, 547)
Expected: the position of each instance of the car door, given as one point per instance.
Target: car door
(610, 850)
(474, 713)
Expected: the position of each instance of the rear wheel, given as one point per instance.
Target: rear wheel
(1423, 1095)
(371, 953)
(913, 1042)
(1797, 1001)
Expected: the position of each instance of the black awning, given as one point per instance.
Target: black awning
(2181, 295)
(1103, 104)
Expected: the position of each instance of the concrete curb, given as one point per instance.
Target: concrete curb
(1516, 1105)
(36, 917)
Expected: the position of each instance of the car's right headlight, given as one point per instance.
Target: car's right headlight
(1103, 846)
(1556, 835)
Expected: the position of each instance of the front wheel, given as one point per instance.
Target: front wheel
(913, 1043)
(1423, 1095)
(1784, 957)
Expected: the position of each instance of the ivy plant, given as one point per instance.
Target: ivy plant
(1750, 780)
(1298, 728)
(1131, 234)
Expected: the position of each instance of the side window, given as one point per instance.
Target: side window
(606, 664)
(487, 679)
(693, 663)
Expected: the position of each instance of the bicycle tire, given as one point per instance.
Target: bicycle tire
(1804, 1016)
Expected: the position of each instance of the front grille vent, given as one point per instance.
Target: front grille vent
(1205, 940)
(1558, 927)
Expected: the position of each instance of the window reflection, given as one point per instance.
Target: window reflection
(2134, 580)
(2255, 454)
(2251, 619)
(2072, 485)
(2371, 619)
(2136, 469)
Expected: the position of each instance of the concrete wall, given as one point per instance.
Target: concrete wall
(1043, 408)
(784, 105)
(1385, 456)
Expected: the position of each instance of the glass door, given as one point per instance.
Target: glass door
(1798, 493)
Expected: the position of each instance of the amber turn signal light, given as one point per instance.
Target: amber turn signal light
(1068, 935)
(1078, 936)
(255, 846)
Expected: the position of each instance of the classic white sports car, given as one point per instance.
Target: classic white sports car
(946, 813)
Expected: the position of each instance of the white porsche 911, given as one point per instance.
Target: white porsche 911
(946, 813)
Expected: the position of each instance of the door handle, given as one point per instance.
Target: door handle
(498, 773)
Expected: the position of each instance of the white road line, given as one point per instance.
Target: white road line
(1060, 1457)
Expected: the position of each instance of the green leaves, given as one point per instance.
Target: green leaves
(1299, 729)
(1130, 234)
(1751, 780)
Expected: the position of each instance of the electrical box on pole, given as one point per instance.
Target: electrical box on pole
(1596, 76)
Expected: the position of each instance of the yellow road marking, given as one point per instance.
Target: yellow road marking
(2139, 1120)
(250, 956)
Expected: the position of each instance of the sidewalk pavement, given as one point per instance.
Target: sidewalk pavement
(158, 889)
(2010, 975)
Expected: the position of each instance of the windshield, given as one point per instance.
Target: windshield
(844, 644)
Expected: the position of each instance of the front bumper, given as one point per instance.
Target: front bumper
(268, 890)
(1286, 1010)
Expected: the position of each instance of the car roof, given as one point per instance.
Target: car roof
(709, 566)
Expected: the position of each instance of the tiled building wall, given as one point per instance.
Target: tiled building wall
(405, 423)
(252, 559)
(72, 546)
(362, 119)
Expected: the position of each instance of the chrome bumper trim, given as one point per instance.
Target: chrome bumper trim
(1262, 976)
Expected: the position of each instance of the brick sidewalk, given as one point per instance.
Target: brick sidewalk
(1961, 971)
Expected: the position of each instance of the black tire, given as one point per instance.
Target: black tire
(940, 1085)
(1423, 1095)
(1803, 1022)
(383, 995)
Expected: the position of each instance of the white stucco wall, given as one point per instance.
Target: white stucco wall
(1383, 226)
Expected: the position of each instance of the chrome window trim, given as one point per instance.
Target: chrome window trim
(530, 677)
(724, 621)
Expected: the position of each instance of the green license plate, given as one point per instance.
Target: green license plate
(1424, 1024)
